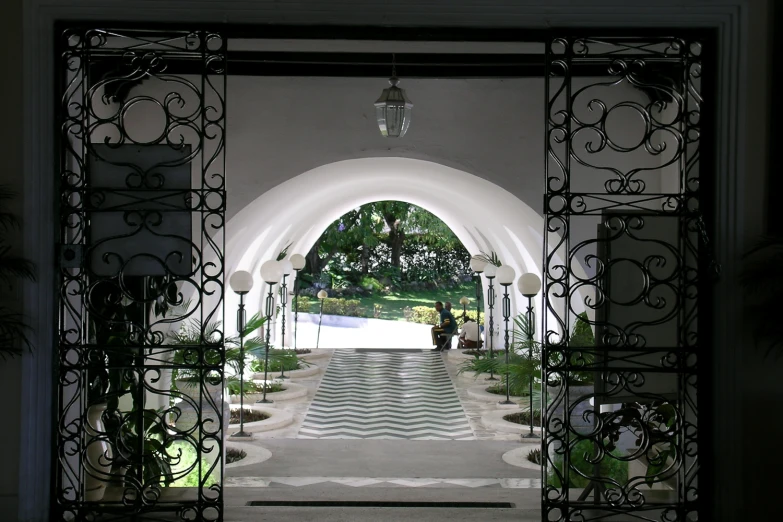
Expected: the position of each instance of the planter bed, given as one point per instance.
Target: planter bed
(480, 392)
(291, 391)
(276, 419)
(494, 420)
(318, 354)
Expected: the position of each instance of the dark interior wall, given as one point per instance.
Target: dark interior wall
(11, 175)
(775, 173)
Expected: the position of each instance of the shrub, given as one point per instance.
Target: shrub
(609, 466)
(303, 304)
(277, 359)
(424, 315)
(370, 283)
(428, 315)
(348, 307)
(534, 456)
(185, 470)
(234, 455)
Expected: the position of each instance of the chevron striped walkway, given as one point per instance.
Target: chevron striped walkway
(388, 394)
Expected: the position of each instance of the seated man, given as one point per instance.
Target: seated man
(469, 336)
(441, 332)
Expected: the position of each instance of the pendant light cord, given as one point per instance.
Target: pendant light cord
(394, 66)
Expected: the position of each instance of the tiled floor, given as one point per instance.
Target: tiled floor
(364, 482)
(386, 394)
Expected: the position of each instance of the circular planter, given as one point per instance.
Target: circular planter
(480, 392)
(319, 354)
(292, 391)
(518, 456)
(494, 420)
(277, 419)
(253, 454)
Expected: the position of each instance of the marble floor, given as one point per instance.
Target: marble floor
(386, 394)
(380, 482)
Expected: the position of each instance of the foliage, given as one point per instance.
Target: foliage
(249, 415)
(234, 455)
(370, 283)
(282, 359)
(534, 456)
(284, 252)
(186, 460)
(491, 258)
(763, 283)
(582, 337)
(303, 304)
(392, 240)
(581, 459)
(13, 328)
(428, 315)
(337, 306)
(523, 417)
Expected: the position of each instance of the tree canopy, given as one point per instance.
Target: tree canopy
(389, 236)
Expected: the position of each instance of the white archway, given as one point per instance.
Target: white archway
(484, 216)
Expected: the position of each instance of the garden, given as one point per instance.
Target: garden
(387, 260)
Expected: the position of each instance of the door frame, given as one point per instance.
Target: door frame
(729, 19)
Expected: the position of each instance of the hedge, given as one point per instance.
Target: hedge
(428, 315)
(349, 307)
(303, 303)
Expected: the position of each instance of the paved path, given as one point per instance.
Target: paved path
(385, 394)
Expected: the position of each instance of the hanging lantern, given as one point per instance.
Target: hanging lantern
(393, 109)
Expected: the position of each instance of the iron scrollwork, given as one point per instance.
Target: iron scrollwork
(142, 212)
(623, 254)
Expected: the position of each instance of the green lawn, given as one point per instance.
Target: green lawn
(393, 304)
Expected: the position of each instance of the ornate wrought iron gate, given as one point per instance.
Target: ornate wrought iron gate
(625, 258)
(142, 210)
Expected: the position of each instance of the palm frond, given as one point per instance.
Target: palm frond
(14, 267)
(9, 221)
(491, 258)
(283, 252)
(13, 334)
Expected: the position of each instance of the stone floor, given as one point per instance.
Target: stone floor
(386, 394)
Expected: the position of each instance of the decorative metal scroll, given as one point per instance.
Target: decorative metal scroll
(624, 262)
(140, 416)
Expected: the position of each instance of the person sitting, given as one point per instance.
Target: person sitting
(469, 336)
(442, 332)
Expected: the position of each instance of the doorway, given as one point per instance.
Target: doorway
(660, 87)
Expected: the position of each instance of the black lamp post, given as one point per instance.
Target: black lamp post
(287, 267)
(464, 301)
(478, 264)
(241, 283)
(490, 271)
(298, 263)
(529, 286)
(321, 296)
(271, 273)
(506, 276)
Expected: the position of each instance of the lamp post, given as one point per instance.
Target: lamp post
(464, 301)
(321, 296)
(529, 286)
(287, 268)
(490, 271)
(271, 273)
(477, 264)
(241, 283)
(297, 263)
(505, 275)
